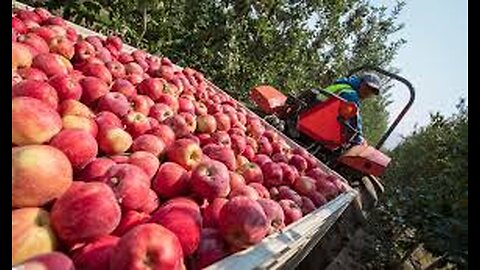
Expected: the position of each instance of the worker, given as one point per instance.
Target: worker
(355, 89)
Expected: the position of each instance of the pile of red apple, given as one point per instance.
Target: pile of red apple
(126, 161)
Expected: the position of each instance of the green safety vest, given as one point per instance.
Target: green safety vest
(337, 89)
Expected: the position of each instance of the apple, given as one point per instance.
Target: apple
(72, 34)
(290, 173)
(185, 152)
(223, 121)
(130, 219)
(42, 13)
(105, 55)
(106, 120)
(116, 69)
(291, 210)
(148, 246)
(243, 222)
(130, 185)
(261, 159)
(85, 211)
(249, 153)
(307, 205)
(114, 41)
(96, 169)
(161, 112)
(221, 138)
(98, 70)
(52, 64)
(78, 145)
(83, 50)
(239, 143)
(285, 192)
(327, 188)
(210, 179)
(212, 212)
(152, 202)
(152, 87)
(183, 218)
(244, 190)
(114, 140)
(149, 143)
(251, 172)
(33, 122)
(114, 102)
(200, 108)
(206, 124)
(96, 41)
(133, 68)
(19, 26)
(146, 161)
(274, 213)
(170, 100)
(36, 89)
(261, 190)
(141, 104)
(236, 180)
(304, 185)
(298, 162)
(51, 260)
(80, 123)
(255, 129)
(264, 146)
(31, 234)
(317, 174)
(279, 157)
(204, 139)
(93, 89)
(222, 154)
(62, 46)
(66, 86)
(134, 78)
(281, 147)
(136, 124)
(125, 58)
(123, 86)
(253, 143)
(212, 248)
(21, 56)
(95, 254)
(35, 43)
(317, 198)
(274, 193)
(165, 133)
(171, 180)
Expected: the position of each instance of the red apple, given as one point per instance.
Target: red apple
(223, 121)
(130, 185)
(114, 102)
(83, 50)
(130, 219)
(165, 133)
(236, 180)
(200, 108)
(243, 222)
(149, 143)
(96, 169)
(317, 174)
(212, 212)
(290, 173)
(222, 154)
(97, 70)
(106, 120)
(148, 246)
(116, 69)
(304, 185)
(170, 100)
(125, 58)
(35, 43)
(152, 202)
(51, 260)
(206, 124)
(136, 124)
(251, 172)
(161, 112)
(212, 248)
(33, 122)
(264, 146)
(141, 104)
(104, 54)
(19, 26)
(274, 213)
(239, 143)
(80, 123)
(185, 152)
(78, 145)
(114, 140)
(261, 190)
(93, 89)
(249, 153)
(204, 138)
(95, 254)
(279, 157)
(327, 188)
(298, 162)
(96, 41)
(261, 159)
(210, 179)
(221, 138)
(152, 87)
(291, 210)
(52, 64)
(317, 198)
(85, 211)
(307, 205)
(36, 89)
(62, 46)
(285, 192)
(67, 87)
(246, 191)
(133, 68)
(123, 86)
(115, 41)
(274, 193)
(146, 161)
(179, 125)
(171, 180)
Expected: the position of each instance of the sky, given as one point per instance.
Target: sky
(434, 60)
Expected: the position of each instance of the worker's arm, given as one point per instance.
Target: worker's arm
(355, 122)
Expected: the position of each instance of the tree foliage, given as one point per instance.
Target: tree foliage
(428, 185)
(290, 44)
